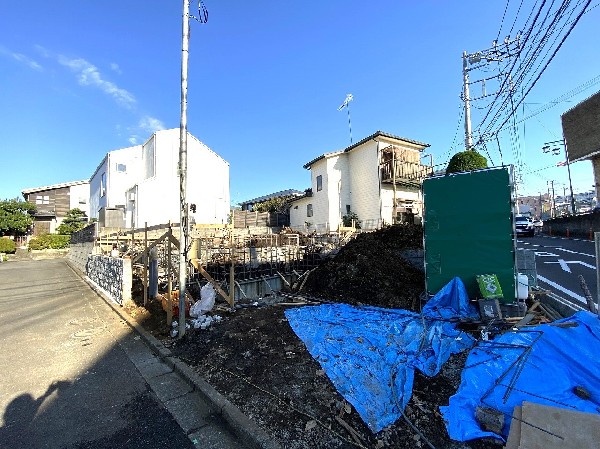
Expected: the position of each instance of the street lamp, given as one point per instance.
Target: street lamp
(554, 147)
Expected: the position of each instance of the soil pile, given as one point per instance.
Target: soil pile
(372, 269)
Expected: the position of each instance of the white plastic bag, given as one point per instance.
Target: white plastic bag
(206, 303)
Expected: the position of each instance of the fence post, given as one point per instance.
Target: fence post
(169, 284)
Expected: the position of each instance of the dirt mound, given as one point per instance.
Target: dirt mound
(372, 270)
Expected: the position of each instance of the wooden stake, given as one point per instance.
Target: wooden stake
(145, 264)
(169, 283)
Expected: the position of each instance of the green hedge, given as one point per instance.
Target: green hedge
(7, 246)
(50, 241)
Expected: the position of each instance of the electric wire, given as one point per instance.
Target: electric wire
(527, 56)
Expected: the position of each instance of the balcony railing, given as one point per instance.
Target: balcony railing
(404, 172)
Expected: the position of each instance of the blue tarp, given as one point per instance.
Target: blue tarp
(370, 353)
(559, 359)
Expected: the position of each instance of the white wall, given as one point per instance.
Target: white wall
(97, 200)
(120, 181)
(157, 200)
(79, 197)
(320, 199)
(387, 201)
(298, 214)
(364, 182)
(208, 183)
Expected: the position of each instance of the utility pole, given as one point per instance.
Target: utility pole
(183, 212)
(467, 100)
(570, 183)
(472, 61)
(552, 201)
(182, 169)
(554, 147)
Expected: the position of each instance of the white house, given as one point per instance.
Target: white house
(138, 185)
(378, 179)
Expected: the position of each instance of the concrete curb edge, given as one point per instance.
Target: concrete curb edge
(246, 429)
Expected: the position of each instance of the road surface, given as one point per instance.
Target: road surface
(75, 376)
(559, 262)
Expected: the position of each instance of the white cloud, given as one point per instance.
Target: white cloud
(21, 58)
(89, 75)
(146, 126)
(115, 67)
(150, 124)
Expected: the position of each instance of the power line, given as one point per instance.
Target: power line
(545, 27)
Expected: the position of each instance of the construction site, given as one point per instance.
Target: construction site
(278, 294)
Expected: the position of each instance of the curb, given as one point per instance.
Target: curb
(246, 429)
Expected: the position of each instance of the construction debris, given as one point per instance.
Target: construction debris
(543, 426)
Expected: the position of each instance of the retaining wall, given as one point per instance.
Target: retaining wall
(78, 254)
(111, 274)
(579, 226)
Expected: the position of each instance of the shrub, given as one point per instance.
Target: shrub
(7, 246)
(351, 219)
(466, 161)
(50, 241)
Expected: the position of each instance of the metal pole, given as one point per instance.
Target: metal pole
(553, 200)
(349, 122)
(569, 171)
(183, 222)
(597, 247)
(468, 132)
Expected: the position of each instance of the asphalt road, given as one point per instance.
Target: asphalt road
(67, 380)
(559, 262)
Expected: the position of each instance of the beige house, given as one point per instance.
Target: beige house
(54, 201)
(378, 179)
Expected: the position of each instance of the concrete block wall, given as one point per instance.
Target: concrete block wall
(79, 253)
(111, 274)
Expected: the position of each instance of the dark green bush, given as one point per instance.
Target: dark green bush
(466, 161)
(50, 241)
(7, 246)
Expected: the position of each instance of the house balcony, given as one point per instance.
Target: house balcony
(399, 172)
(44, 211)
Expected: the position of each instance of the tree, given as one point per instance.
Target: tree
(15, 216)
(279, 204)
(466, 161)
(73, 222)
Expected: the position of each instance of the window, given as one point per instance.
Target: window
(309, 210)
(347, 209)
(319, 183)
(148, 159)
(121, 168)
(42, 199)
(103, 184)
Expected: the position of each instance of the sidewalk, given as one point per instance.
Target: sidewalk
(75, 375)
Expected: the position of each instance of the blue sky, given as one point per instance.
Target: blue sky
(81, 78)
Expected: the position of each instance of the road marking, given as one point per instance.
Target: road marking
(545, 254)
(573, 252)
(563, 265)
(559, 287)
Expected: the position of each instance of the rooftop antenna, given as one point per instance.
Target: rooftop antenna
(346, 104)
